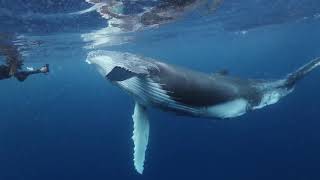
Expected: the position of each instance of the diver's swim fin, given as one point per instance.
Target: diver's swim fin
(45, 69)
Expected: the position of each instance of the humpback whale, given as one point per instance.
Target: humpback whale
(152, 83)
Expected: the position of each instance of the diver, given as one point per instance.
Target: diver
(13, 65)
(11, 70)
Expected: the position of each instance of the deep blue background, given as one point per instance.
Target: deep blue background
(72, 124)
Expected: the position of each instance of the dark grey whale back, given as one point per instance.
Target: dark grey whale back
(199, 89)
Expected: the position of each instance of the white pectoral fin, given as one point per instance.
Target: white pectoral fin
(140, 136)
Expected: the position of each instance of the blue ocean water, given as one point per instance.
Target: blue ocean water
(73, 124)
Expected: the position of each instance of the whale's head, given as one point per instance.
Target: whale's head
(103, 61)
(110, 63)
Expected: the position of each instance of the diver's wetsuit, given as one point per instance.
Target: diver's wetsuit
(20, 75)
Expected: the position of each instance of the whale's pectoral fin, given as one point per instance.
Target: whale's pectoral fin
(121, 74)
(140, 136)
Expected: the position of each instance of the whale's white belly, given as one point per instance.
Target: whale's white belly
(148, 92)
(229, 109)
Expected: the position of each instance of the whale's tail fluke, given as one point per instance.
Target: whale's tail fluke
(299, 74)
(273, 91)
